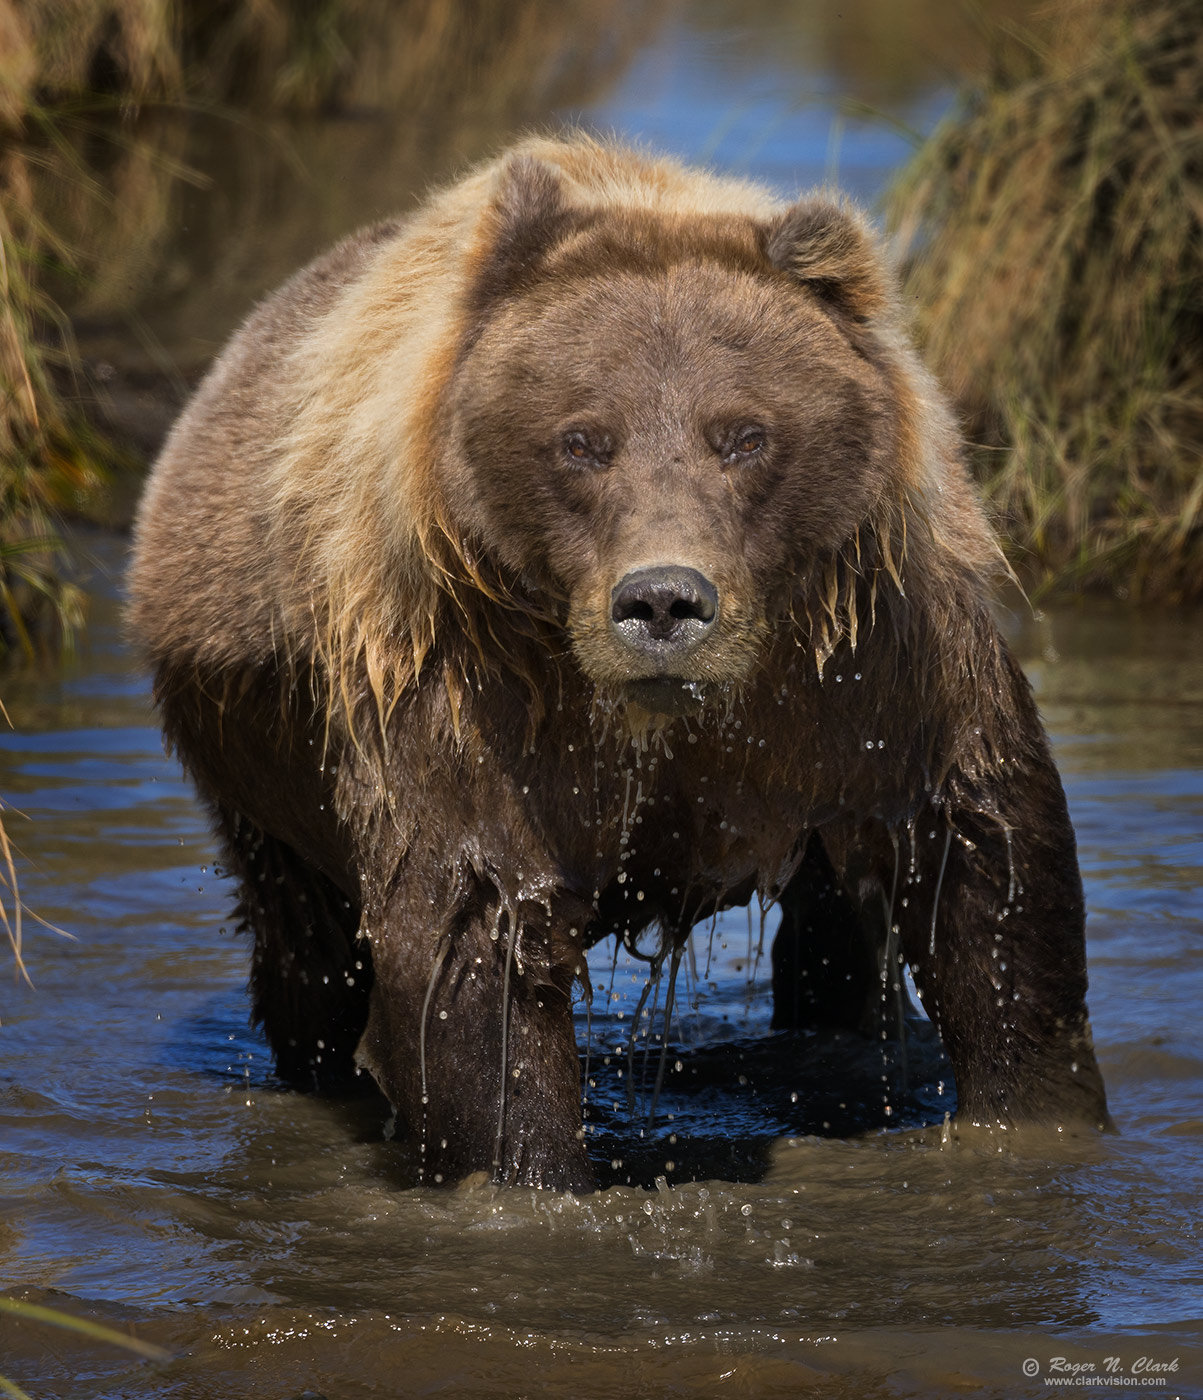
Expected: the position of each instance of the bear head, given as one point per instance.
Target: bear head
(661, 421)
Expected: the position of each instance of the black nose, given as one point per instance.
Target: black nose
(663, 610)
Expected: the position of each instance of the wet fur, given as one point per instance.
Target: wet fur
(376, 610)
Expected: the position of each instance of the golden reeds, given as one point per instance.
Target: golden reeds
(49, 460)
(1054, 226)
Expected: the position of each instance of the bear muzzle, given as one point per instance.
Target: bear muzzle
(662, 615)
(664, 612)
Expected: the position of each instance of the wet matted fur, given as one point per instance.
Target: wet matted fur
(382, 575)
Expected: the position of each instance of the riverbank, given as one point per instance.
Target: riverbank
(1054, 225)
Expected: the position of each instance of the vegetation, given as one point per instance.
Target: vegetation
(49, 459)
(66, 71)
(1055, 230)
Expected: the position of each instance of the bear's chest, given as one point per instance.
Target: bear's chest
(677, 821)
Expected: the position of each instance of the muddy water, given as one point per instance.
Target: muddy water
(791, 1224)
(797, 1219)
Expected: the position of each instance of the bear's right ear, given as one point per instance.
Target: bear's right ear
(528, 216)
(828, 247)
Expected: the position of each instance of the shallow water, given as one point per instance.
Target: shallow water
(155, 1176)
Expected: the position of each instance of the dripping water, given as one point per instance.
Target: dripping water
(935, 905)
(668, 1021)
(439, 959)
(710, 943)
(634, 1032)
(511, 932)
(892, 969)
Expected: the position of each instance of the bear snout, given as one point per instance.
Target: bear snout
(665, 611)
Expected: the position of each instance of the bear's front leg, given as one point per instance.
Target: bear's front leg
(470, 1036)
(992, 919)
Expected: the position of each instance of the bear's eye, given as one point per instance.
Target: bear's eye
(582, 450)
(747, 442)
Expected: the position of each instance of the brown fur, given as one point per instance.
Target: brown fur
(376, 586)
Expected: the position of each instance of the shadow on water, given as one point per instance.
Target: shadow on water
(726, 1097)
(726, 1105)
(712, 1095)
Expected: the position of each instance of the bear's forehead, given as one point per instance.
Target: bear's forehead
(686, 311)
(694, 291)
(686, 340)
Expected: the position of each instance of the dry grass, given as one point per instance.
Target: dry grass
(45, 464)
(49, 460)
(20, 1311)
(1054, 225)
(10, 905)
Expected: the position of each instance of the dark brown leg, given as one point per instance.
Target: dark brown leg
(992, 922)
(310, 977)
(825, 956)
(471, 1038)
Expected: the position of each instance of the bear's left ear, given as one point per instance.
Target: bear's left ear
(830, 249)
(528, 216)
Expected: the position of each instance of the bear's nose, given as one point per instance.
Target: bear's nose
(663, 610)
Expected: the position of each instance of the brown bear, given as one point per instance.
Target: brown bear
(589, 551)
